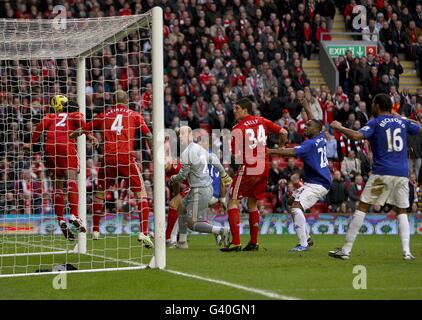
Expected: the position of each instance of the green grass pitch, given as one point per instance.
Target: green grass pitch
(309, 275)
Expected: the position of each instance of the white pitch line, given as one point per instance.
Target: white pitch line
(351, 289)
(265, 293)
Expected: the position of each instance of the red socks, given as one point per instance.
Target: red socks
(143, 209)
(59, 205)
(254, 225)
(171, 220)
(234, 221)
(98, 208)
(73, 197)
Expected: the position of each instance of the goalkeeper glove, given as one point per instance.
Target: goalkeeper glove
(226, 179)
(173, 181)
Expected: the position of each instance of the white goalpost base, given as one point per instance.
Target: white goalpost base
(85, 41)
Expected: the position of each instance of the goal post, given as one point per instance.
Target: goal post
(158, 142)
(40, 58)
(82, 207)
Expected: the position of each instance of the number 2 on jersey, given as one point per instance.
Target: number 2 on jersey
(261, 137)
(117, 124)
(323, 154)
(62, 123)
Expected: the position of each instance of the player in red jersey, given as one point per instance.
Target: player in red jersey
(118, 128)
(178, 192)
(61, 158)
(249, 139)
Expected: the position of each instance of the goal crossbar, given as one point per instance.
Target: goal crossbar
(79, 38)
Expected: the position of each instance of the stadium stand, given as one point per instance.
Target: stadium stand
(217, 52)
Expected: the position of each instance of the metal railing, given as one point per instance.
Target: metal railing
(328, 69)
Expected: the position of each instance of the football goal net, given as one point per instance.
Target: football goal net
(87, 61)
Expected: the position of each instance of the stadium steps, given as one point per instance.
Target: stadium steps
(409, 77)
(313, 72)
(339, 26)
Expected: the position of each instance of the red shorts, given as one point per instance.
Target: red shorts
(120, 166)
(59, 158)
(245, 186)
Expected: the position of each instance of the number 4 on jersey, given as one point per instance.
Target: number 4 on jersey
(261, 137)
(117, 124)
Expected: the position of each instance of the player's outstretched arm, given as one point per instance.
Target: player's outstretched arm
(285, 152)
(411, 120)
(351, 134)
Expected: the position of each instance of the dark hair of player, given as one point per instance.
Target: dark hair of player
(318, 123)
(384, 102)
(72, 106)
(245, 103)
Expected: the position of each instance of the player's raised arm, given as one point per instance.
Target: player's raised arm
(305, 105)
(351, 134)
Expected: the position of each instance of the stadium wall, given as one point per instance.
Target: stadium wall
(270, 224)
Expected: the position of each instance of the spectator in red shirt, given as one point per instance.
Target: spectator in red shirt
(322, 29)
(183, 108)
(238, 75)
(220, 39)
(307, 37)
(205, 77)
(125, 11)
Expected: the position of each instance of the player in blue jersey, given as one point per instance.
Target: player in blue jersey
(317, 175)
(219, 190)
(389, 183)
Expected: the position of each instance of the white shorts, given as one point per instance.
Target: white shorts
(309, 194)
(380, 190)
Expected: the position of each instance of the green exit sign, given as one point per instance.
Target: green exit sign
(357, 51)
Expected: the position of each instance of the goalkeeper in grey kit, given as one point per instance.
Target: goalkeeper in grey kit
(195, 160)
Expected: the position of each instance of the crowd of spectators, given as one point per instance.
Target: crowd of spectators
(214, 53)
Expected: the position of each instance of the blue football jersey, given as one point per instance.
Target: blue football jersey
(215, 175)
(314, 155)
(387, 135)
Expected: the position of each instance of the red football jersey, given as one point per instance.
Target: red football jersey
(118, 127)
(174, 169)
(249, 139)
(58, 127)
